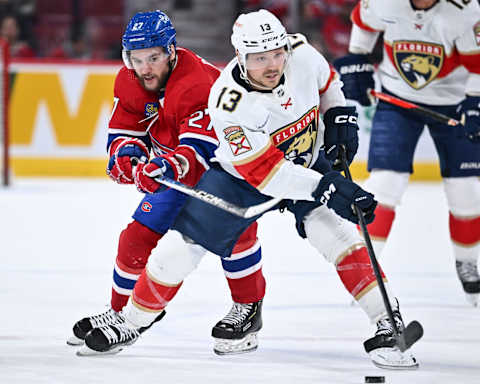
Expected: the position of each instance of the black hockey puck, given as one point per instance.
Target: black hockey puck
(374, 379)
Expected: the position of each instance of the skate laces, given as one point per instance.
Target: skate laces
(385, 327)
(106, 318)
(237, 314)
(119, 333)
(467, 271)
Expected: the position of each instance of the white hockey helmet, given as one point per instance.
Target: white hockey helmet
(255, 32)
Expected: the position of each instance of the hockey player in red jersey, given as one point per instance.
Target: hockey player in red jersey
(160, 123)
(432, 58)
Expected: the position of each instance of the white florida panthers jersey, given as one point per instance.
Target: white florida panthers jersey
(431, 56)
(271, 138)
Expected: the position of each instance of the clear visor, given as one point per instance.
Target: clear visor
(263, 60)
(139, 58)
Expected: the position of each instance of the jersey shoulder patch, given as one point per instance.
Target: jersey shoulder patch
(237, 140)
(296, 40)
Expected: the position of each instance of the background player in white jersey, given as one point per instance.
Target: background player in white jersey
(265, 109)
(431, 56)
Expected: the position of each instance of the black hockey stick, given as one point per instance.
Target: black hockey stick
(414, 107)
(245, 212)
(413, 331)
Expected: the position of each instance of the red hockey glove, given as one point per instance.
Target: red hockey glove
(145, 174)
(122, 151)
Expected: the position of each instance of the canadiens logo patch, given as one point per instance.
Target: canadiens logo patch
(417, 62)
(297, 140)
(151, 109)
(146, 207)
(237, 140)
(476, 31)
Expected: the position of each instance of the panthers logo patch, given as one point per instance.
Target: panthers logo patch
(297, 140)
(151, 109)
(417, 62)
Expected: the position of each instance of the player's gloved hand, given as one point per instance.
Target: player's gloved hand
(122, 151)
(341, 194)
(341, 128)
(356, 72)
(470, 110)
(146, 173)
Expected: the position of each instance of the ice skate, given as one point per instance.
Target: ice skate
(382, 349)
(237, 331)
(467, 272)
(111, 339)
(85, 325)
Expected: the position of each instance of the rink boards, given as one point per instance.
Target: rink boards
(58, 117)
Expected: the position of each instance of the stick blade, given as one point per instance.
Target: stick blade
(411, 334)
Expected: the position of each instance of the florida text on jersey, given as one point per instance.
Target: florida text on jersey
(431, 56)
(260, 130)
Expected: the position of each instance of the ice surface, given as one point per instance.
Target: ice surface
(58, 244)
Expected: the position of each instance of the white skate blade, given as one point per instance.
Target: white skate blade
(85, 351)
(473, 299)
(393, 358)
(233, 347)
(75, 341)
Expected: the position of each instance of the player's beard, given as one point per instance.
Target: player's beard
(161, 80)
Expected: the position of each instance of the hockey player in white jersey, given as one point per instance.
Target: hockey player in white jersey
(265, 108)
(431, 56)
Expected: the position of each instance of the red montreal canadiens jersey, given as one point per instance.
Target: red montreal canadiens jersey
(177, 121)
(430, 56)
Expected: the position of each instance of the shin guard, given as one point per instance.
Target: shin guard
(380, 228)
(357, 275)
(465, 235)
(134, 248)
(151, 295)
(243, 269)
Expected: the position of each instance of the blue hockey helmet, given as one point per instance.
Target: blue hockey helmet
(147, 30)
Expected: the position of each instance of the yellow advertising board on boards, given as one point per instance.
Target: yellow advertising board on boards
(58, 118)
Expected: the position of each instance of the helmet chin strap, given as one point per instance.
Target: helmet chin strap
(171, 66)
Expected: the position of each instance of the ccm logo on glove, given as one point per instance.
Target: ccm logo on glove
(341, 119)
(326, 194)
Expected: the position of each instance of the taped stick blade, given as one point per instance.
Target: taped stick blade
(410, 335)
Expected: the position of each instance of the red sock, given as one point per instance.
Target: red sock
(152, 295)
(464, 231)
(248, 289)
(134, 248)
(356, 273)
(381, 226)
